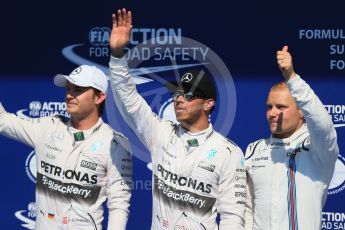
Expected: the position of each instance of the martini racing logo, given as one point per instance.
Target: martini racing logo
(43, 109)
(337, 184)
(337, 114)
(27, 217)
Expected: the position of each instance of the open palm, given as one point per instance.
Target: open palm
(121, 31)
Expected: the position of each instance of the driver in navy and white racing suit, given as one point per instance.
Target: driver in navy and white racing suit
(289, 173)
(80, 162)
(196, 171)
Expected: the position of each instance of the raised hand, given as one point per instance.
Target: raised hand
(121, 32)
(284, 60)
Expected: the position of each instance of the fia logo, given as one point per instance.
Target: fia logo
(99, 36)
(27, 217)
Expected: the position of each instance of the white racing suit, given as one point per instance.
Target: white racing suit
(190, 183)
(76, 171)
(288, 178)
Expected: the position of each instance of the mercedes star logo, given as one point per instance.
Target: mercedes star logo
(187, 77)
(76, 71)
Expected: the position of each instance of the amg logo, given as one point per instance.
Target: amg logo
(206, 166)
(89, 165)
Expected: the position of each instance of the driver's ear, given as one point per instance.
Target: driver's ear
(100, 97)
(209, 104)
(300, 113)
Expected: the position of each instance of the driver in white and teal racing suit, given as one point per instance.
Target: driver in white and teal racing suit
(81, 162)
(197, 172)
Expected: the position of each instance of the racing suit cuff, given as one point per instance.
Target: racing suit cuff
(294, 80)
(118, 63)
(231, 221)
(117, 220)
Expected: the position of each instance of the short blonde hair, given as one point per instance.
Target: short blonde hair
(280, 86)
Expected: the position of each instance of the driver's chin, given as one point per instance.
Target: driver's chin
(179, 118)
(275, 131)
(72, 111)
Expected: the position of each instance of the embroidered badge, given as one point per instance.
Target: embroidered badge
(193, 143)
(79, 136)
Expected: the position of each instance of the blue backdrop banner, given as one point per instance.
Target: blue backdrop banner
(235, 43)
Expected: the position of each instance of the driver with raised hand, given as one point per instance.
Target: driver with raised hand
(289, 173)
(197, 172)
